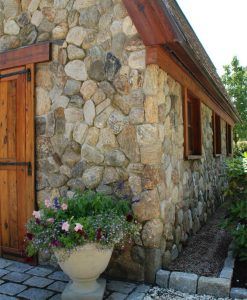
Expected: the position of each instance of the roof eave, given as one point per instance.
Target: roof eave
(181, 52)
(157, 26)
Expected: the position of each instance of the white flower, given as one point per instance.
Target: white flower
(36, 214)
(78, 227)
(65, 226)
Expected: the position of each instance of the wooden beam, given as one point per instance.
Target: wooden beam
(40, 52)
(207, 82)
(158, 55)
(150, 20)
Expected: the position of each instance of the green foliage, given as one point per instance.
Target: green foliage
(236, 172)
(240, 148)
(88, 217)
(235, 81)
(236, 221)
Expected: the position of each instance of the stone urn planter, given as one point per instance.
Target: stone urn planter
(82, 231)
(84, 265)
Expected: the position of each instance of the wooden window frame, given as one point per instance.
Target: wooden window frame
(196, 151)
(216, 126)
(228, 139)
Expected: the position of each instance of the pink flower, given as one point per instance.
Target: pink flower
(50, 220)
(64, 206)
(36, 214)
(65, 226)
(78, 227)
(48, 203)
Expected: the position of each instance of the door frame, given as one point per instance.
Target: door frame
(27, 57)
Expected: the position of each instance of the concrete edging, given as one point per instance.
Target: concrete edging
(194, 284)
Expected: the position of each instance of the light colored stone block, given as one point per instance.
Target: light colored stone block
(229, 262)
(218, 287)
(184, 282)
(162, 278)
(226, 273)
(238, 293)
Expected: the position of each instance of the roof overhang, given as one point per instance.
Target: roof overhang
(157, 27)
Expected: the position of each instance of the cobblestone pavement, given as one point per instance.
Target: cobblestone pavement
(22, 281)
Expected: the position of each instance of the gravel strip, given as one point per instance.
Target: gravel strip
(206, 251)
(168, 294)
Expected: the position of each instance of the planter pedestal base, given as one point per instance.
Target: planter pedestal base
(81, 291)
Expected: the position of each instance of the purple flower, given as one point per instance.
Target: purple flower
(28, 259)
(56, 203)
(129, 217)
(83, 233)
(99, 234)
(30, 236)
(55, 243)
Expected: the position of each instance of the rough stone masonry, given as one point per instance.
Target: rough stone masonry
(106, 121)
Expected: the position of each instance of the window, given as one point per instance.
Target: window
(228, 139)
(216, 125)
(192, 126)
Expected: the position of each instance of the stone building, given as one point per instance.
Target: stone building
(125, 101)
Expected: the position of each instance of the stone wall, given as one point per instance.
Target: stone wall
(105, 121)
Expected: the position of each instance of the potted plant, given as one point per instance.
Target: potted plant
(82, 232)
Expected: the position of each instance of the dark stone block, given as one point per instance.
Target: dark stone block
(112, 65)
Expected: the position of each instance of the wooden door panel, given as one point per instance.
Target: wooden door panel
(3, 121)
(9, 209)
(17, 192)
(4, 212)
(8, 90)
(11, 118)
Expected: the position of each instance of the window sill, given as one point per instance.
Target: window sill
(217, 155)
(194, 157)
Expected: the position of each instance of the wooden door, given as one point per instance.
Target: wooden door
(16, 159)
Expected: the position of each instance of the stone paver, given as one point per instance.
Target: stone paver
(40, 282)
(59, 275)
(19, 267)
(5, 263)
(56, 297)
(16, 277)
(136, 296)
(5, 297)
(11, 288)
(142, 288)
(57, 286)
(121, 287)
(117, 296)
(3, 272)
(36, 294)
(38, 271)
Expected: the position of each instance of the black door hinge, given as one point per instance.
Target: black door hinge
(27, 71)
